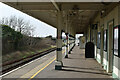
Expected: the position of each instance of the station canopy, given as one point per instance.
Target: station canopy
(75, 14)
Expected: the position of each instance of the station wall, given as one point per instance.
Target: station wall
(105, 24)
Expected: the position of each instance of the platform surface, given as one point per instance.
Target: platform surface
(76, 66)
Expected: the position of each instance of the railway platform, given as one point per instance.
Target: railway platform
(75, 66)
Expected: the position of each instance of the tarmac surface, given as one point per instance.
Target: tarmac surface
(75, 66)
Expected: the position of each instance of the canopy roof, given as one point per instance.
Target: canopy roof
(78, 14)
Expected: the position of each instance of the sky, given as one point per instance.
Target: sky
(41, 29)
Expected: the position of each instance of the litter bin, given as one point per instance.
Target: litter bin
(89, 50)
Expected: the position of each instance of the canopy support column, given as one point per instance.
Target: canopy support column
(66, 55)
(58, 62)
(102, 46)
(69, 41)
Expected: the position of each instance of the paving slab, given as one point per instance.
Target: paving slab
(76, 66)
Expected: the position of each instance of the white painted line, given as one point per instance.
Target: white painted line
(21, 66)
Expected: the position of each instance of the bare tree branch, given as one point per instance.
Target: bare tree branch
(18, 24)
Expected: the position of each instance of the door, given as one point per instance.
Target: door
(110, 46)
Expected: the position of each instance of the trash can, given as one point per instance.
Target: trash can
(89, 50)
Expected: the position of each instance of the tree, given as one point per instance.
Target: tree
(11, 35)
(18, 24)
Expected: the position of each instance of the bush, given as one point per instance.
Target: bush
(10, 39)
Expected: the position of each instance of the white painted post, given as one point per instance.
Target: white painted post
(58, 62)
(66, 55)
(101, 47)
(95, 42)
(110, 48)
(69, 45)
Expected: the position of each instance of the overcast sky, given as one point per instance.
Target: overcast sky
(41, 28)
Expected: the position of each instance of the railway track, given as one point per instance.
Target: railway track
(17, 63)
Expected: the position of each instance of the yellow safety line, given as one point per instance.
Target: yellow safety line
(43, 68)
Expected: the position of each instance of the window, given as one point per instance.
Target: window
(105, 40)
(98, 40)
(116, 34)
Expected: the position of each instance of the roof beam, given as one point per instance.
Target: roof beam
(56, 6)
(63, 7)
(83, 6)
(36, 7)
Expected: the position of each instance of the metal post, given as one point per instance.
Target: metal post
(69, 45)
(66, 55)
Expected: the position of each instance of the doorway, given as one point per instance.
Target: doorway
(110, 46)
